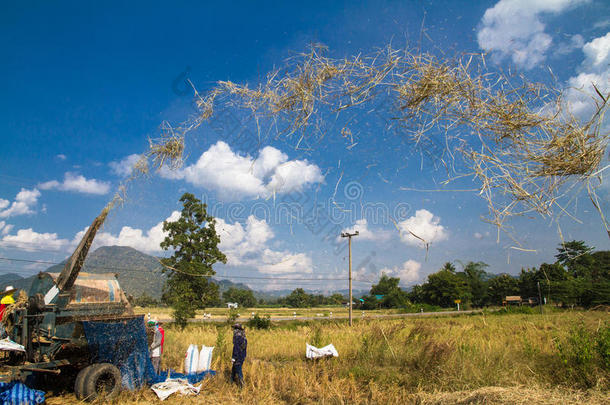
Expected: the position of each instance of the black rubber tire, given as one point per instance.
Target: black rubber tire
(79, 385)
(104, 380)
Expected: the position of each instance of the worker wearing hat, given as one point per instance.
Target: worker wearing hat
(7, 299)
(240, 344)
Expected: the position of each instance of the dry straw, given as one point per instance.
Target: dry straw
(518, 139)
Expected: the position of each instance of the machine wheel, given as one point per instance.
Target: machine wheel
(103, 381)
(79, 385)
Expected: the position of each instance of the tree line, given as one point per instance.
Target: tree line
(578, 277)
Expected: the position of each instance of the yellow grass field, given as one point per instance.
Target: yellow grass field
(220, 314)
(469, 359)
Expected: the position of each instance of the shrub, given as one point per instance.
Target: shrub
(260, 322)
(577, 353)
(602, 345)
(232, 316)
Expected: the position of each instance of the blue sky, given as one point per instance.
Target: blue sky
(83, 87)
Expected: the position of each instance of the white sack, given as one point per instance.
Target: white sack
(172, 385)
(191, 359)
(313, 352)
(205, 358)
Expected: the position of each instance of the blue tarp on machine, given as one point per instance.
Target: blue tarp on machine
(124, 344)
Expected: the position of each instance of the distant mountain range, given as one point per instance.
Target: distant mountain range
(137, 272)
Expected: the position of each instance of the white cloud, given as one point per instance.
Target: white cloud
(364, 233)
(5, 228)
(61, 156)
(564, 48)
(247, 246)
(595, 69)
(24, 202)
(144, 241)
(124, 167)
(513, 28)
(77, 183)
(236, 177)
(275, 262)
(423, 225)
(408, 272)
(29, 240)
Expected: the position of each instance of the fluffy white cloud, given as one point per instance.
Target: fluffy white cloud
(422, 228)
(513, 28)
(144, 241)
(594, 70)
(29, 240)
(364, 233)
(124, 167)
(24, 202)
(247, 246)
(61, 156)
(77, 183)
(275, 262)
(236, 177)
(408, 272)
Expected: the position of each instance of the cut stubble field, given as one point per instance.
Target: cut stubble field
(479, 358)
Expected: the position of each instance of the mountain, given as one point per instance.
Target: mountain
(137, 272)
(14, 280)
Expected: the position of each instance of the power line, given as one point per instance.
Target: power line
(131, 270)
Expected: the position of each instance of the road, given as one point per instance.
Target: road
(356, 315)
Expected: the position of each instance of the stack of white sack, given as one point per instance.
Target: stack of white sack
(197, 361)
(313, 352)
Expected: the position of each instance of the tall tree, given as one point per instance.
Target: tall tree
(576, 257)
(502, 286)
(298, 298)
(475, 277)
(245, 298)
(444, 287)
(194, 240)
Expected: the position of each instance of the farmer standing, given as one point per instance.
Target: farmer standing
(240, 343)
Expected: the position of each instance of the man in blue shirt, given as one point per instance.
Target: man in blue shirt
(240, 344)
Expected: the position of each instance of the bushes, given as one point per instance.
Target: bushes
(582, 351)
(260, 322)
(602, 344)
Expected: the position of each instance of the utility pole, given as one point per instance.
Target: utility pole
(349, 243)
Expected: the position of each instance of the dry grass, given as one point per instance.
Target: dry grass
(470, 359)
(518, 139)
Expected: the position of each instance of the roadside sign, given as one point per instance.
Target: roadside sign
(458, 301)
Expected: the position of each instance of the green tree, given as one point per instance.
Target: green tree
(337, 299)
(298, 298)
(245, 298)
(393, 296)
(576, 257)
(475, 276)
(601, 267)
(385, 285)
(194, 240)
(443, 287)
(502, 286)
